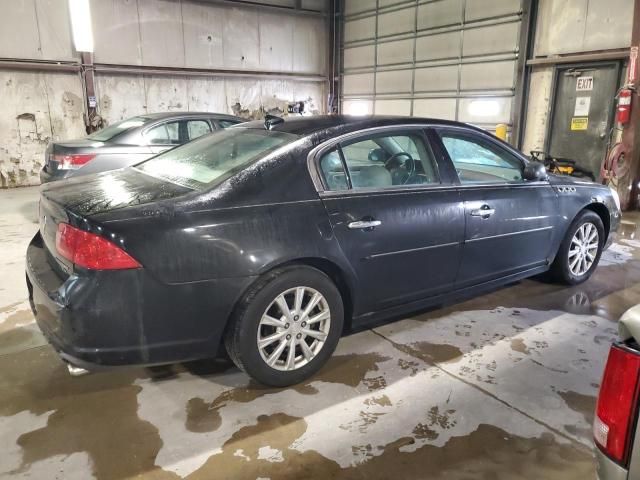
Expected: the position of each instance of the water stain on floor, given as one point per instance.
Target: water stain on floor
(435, 353)
(583, 404)
(349, 369)
(488, 452)
(518, 345)
(203, 416)
(96, 414)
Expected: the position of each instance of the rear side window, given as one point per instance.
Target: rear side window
(197, 128)
(480, 161)
(333, 171)
(164, 134)
(382, 161)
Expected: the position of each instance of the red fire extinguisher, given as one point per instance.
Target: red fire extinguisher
(623, 114)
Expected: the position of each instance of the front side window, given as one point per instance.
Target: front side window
(213, 158)
(382, 161)
(480, 161)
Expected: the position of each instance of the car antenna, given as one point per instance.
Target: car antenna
(271, 121)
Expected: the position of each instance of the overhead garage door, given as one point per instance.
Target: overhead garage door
(452, 59)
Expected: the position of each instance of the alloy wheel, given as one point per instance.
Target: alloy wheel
(583, 249)
(293, 328)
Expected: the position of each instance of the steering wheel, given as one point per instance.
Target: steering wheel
(410, 171)
(393, 157)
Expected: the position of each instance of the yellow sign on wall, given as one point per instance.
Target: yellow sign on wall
(579, 123)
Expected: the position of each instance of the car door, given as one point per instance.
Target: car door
(509, 221)
(397, 217)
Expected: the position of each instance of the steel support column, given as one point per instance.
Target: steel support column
(523, 75)
(334, 27)
(628, 185)
(92, 121)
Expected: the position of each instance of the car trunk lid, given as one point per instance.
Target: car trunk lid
(79, 201)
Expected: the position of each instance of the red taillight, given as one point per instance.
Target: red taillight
(89, 250)
(617, 403)
(73, 161)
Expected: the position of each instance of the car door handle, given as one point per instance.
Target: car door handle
(361, 224)
(485, 212)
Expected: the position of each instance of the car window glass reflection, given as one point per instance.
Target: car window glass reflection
(333, 171)
(226, 123)
(213, 158)
(479, 161)
(390, 161)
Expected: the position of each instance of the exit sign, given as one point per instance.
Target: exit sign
(584, 84)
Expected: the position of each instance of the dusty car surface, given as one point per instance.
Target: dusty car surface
(128, 142)
(272, 238)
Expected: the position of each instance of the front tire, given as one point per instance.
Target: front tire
(286, 326)
(580, 250)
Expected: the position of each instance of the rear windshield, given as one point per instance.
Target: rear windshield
(117, 128)
(215, 157)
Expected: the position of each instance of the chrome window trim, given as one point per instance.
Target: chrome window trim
(499, 144)
(486, 135)
(317, 152)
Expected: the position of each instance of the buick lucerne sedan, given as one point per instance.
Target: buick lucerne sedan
(271, 238)
(128, 142)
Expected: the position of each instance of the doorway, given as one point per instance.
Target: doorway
(582, 113)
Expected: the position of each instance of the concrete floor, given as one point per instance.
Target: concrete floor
(500, 386)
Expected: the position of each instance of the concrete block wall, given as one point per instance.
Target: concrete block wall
(38, 107)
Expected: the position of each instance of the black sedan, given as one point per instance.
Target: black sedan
(128, 142)
(273, 238)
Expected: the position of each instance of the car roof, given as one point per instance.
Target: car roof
(163, 115)
(304, 126)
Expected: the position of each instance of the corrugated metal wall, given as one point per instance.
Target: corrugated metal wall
(452, 59)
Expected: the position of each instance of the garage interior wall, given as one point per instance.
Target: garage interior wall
(451, 59)
(40, 106)
(568, 27)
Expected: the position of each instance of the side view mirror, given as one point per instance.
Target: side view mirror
(535, 172)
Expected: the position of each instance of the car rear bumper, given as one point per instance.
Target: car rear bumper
(607, 469)
(95, 319)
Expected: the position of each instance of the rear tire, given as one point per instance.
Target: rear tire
(580, 250)
(276, 316)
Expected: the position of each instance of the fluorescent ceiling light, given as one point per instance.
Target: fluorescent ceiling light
(81, 25)
(358, 108)
(484, 108)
